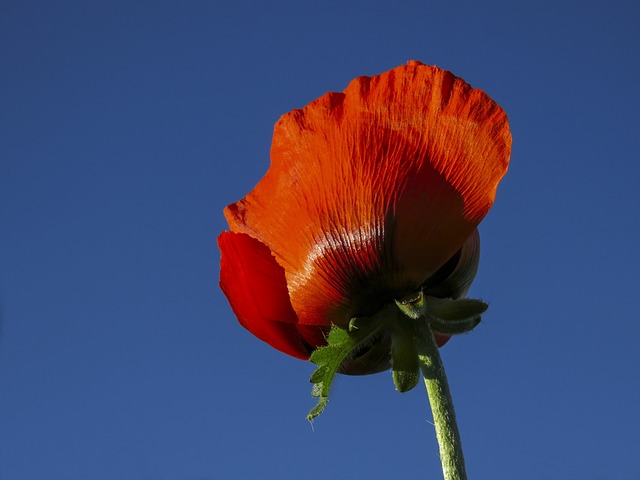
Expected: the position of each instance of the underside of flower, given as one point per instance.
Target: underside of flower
(373, 195)
(406, 325)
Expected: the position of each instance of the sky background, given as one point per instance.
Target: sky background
(126, 127)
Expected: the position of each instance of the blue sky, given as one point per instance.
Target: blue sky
(126, 127)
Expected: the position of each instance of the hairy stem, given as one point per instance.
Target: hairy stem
(441, 403)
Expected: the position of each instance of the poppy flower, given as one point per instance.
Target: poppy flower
(372, 194)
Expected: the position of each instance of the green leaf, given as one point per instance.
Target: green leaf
(340, 343)
(316, 391)
(337, 337)
(318, 375)
(318, 409)
(325, 354)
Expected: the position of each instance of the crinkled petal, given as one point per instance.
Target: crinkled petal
(372, 190)
(256, 288)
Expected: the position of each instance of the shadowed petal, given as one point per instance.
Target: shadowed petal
(455, 277)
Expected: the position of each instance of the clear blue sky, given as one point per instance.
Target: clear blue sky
(126, 127)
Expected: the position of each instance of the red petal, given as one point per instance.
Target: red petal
(370, 191)
(441, 339)
(256, 288)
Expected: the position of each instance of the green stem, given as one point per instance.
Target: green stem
(444, 416)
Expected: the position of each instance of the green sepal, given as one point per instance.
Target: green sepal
(402, 320)
(454, 317)
(453, 327)
(404, 359)
(405, 380)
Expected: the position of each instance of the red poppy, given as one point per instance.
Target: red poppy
(372, 194)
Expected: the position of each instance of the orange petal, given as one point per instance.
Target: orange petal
(256, 288)
(372, 190)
